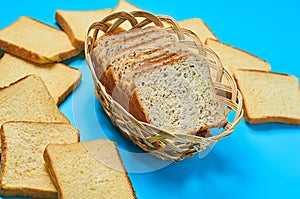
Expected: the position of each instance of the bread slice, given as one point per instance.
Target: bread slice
(59, 78)
(100, 51)
(269, 96)
(145, 50)
(129, 42)
(199, 27)
(178, 97)
(233, 58)
(37, 42)
(76, 23)
(29, 100)
(88, 170)
(23, 172)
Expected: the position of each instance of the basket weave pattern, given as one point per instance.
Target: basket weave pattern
(162, 144)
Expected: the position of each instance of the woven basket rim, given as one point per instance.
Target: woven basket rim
(140, 19)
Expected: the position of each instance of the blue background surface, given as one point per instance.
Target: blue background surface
(256, 161)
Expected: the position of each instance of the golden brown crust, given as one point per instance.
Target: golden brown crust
(109, 80)
(136, 109)
(52, 174)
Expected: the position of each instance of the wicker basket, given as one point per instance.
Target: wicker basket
(162, 144)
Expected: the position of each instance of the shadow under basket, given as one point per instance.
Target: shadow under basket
(162, 144)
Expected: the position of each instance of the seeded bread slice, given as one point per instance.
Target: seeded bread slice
(59, 78)
(29, 100)
(269, 97)
(98, 54)
(76, 23)
(234, 59)
(128, 42)
(37, 42)
(179, 97)
(88, 170)
(22, 165)
(112, 74)
(133, 69)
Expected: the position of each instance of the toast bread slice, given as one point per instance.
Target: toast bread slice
(59, 78)
(29, 100)
(90, 170)
(23, 172)
(269, 96)
(76, 23)
(35, 41)
(199, 27)
(234, 59)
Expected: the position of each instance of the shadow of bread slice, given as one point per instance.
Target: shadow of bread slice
(178, 97)
(90, 170)
(76, 23)
(29, 100)
(23, 172)
(35, 41)
(234, 59)
(59, 78)
(269, 96)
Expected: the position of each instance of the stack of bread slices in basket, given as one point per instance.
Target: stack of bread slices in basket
(158, 80)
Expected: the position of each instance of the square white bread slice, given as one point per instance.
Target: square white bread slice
(29, 100)
(59, 78)
(199, 27)
(89, 170)
(23, 172)
(76, 23)
(269, 97)
(35, 41)
(234, 59)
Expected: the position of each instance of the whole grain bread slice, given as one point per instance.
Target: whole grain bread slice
(98, 54)
(59, 78)
(132, 69)
(29, 100)
(234, 59)
(76, 23)
(178, 97)
(269, 96)
(35, 41)
(115, 68)
(92, 169)
(103, 53)
(23, 172)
